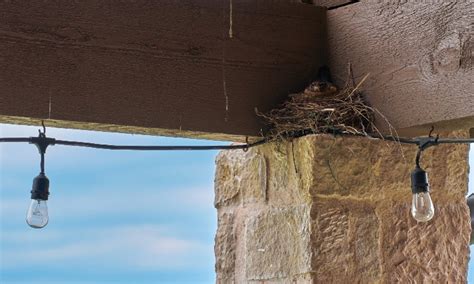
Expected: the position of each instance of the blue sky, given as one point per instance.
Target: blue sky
(115, 216)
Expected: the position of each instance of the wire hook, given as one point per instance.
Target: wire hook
(44, 127)
(431, 131)
(246, 146)
(425, 142)
(430, 134)
(42, 133)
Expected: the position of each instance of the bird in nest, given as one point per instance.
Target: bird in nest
(321, 87)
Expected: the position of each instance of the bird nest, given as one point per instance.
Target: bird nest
(321, 108)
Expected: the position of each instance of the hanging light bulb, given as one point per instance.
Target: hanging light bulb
(37, 215)
(422, 208)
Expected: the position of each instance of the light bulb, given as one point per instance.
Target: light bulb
(37, 216)
(422, 208)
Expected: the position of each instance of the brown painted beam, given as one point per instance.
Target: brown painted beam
(182, 68)
(419, 56)
(331, 4)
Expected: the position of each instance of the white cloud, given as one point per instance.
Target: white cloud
(145, 201)
(141, 247)
(133, 200)
(10, 205)
(30, 236)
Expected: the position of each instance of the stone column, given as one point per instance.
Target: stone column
(337, 210)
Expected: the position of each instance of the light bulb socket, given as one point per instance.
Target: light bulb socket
(42, 142)
(419, 181)
(40, 189)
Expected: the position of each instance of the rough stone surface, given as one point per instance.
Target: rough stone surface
(436, 251)
(224, 247)
(282, 232)
(240, 177)
(326, 210)
(345, 241)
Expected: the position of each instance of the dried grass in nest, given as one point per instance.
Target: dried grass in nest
(345, 111)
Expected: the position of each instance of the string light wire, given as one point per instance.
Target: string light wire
(422, 142)
(422, 205)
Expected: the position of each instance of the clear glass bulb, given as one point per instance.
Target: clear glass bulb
(37, 216)
(422, 208)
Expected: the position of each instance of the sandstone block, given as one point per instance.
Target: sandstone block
(277, 243)
(240, 178)
(345, 241)
(432, 252)
(224, 248)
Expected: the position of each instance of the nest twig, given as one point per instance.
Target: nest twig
(345, 111)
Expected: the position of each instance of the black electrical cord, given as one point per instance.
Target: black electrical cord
(42, 142)
(16, 139)
(52, 141)
(158, 148)
(42, 164)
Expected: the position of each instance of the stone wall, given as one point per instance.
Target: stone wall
(337, 210)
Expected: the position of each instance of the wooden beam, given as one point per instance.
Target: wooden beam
(98, 65)
(125, 129)
(331, 4)
(419, 56)
(180, 68)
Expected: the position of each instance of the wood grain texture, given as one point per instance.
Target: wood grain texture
(126, 129)
(419, 56)
(188, 66)
(330, 3)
